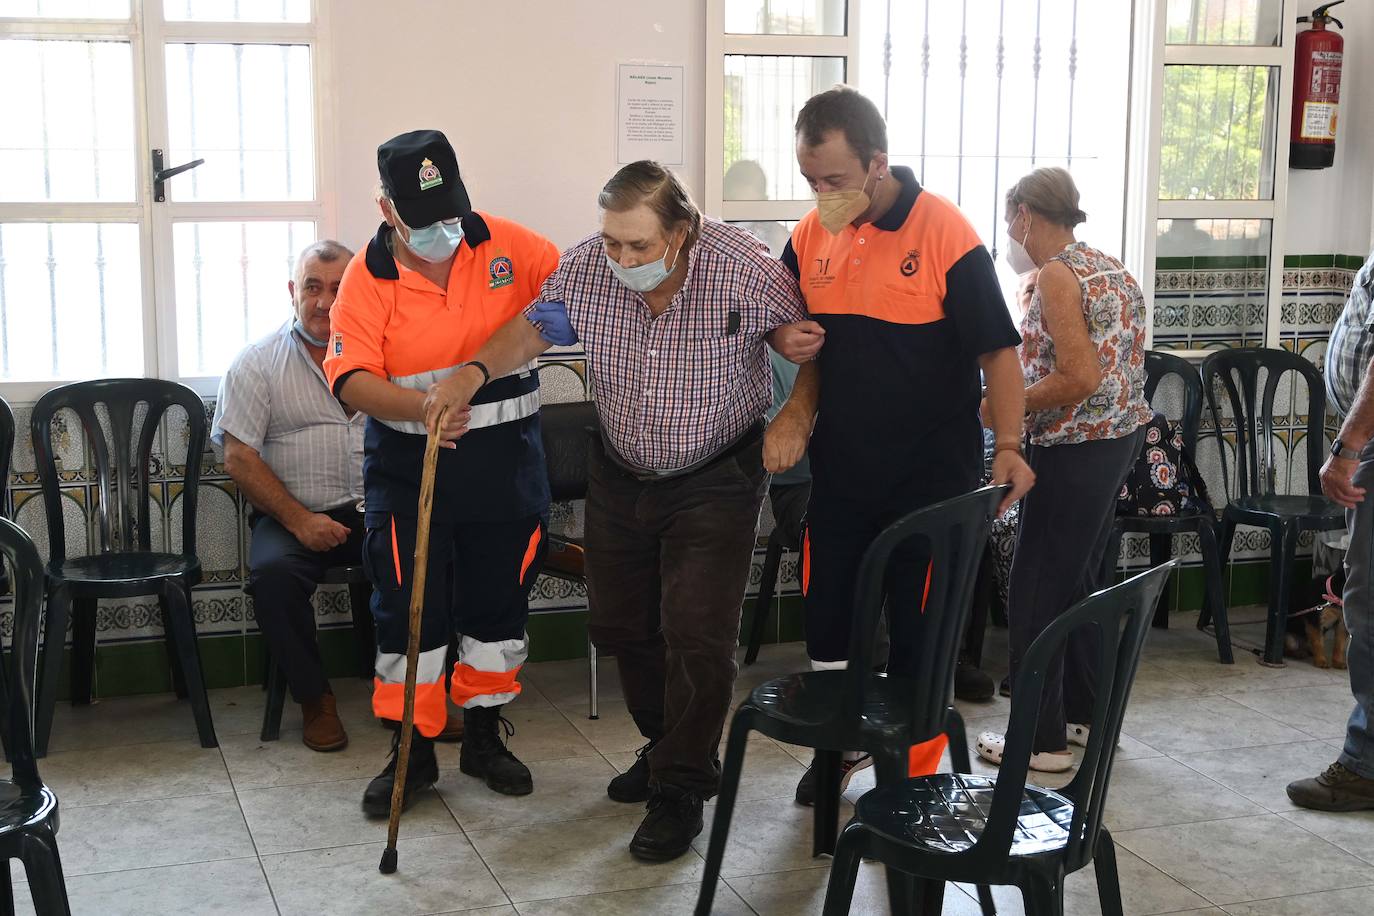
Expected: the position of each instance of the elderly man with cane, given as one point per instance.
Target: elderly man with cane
(414, 307)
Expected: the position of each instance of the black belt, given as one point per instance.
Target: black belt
(751, 436)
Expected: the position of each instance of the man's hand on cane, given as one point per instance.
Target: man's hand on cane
(452, 393)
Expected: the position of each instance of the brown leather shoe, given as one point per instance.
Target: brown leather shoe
(1336, 789)
(323, 730)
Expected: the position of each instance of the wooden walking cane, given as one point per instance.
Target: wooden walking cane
(417, 601)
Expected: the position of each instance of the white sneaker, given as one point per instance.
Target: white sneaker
(1077, 734)
(991, 746)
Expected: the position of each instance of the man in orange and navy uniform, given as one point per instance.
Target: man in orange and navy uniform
(413, 307)
(907, 300)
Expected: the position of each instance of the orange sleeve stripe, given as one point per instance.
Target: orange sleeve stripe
(468, 682)
(388, 702)
(531, 551)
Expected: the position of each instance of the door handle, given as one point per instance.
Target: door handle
(160, 174)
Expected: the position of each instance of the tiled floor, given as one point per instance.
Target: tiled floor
(151, 823)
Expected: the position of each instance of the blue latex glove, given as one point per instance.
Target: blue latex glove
(551, 318)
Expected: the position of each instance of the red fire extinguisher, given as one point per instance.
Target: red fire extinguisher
(1316, 90)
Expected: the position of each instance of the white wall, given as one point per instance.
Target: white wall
(524, 90)
(1330, 210)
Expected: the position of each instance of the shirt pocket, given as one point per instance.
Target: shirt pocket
(904, 305)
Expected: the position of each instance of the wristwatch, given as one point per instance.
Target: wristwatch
(1339, 450)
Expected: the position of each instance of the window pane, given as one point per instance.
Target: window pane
(773, 233)
(69, 133)
(785, 17)
(66, 9)
(231, 287)
(1218, 133)
(238, 10)
(762, 98)
(1224, 22)
(247, 111)
(71, 301)
(1211, 283)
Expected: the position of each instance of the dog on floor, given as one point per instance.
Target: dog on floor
(1308, 628)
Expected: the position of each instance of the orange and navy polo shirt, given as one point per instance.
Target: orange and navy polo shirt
(394, 323)
(908, 302)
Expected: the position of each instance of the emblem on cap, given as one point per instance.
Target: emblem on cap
(429, 175)
(502, 273)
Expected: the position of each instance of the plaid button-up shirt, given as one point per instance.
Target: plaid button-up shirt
(673, 390)
(1352, 342)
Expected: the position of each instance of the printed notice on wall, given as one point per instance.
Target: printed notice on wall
(649, 113)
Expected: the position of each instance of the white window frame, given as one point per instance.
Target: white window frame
(148, 32)
(719, 45)
(1150, 55)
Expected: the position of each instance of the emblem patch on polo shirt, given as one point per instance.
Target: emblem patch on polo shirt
(429, 175)
(911, 263)
(502, 272)
(338, 344)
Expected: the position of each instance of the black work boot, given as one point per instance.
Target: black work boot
(422, 771)
(667, 831)
(486, 756)
(632, 786)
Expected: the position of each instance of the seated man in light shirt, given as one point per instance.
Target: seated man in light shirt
(297, 455)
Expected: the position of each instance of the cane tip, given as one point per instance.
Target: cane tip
(388, 864)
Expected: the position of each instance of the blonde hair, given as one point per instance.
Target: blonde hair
(1049, 192)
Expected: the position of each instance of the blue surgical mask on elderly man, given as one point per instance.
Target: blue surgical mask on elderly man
(644, 278)
(436, 242)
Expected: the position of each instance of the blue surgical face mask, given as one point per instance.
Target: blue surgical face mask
(436, 242)
(306, 336)
(644, 278)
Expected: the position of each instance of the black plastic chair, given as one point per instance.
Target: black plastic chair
(364, 644)
(567, 429)
(6, 451)
(126, 565)
(1257, 501)
(857, 709)
(1161, 529)
(975, 829)
(28, 808)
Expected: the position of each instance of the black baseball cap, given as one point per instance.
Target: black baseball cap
(419, 172)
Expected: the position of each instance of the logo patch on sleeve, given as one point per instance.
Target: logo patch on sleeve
(502, 272)
(338, 343)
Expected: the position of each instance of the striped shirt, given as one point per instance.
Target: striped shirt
(275, 400)
(1352, 342)
(673, 390)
